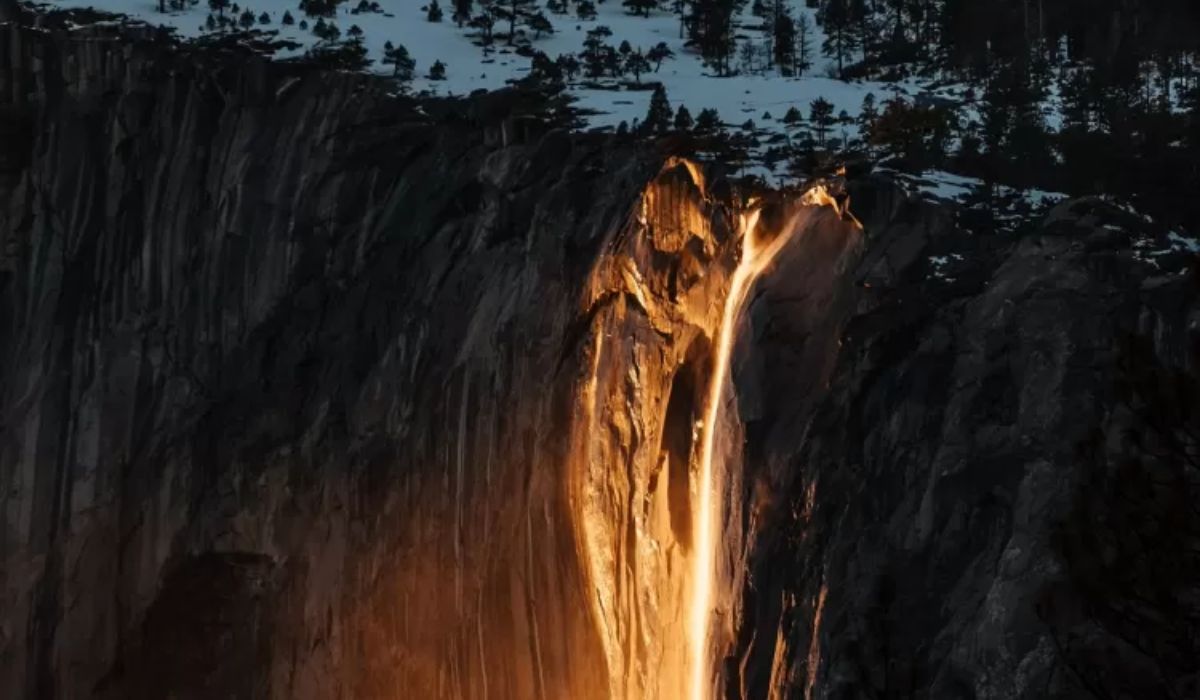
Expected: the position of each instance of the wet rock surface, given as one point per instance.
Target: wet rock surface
(306, 393)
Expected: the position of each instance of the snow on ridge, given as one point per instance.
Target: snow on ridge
(687, 80)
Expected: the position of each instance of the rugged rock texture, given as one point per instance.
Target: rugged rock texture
(995, 485)
(304, 393)
(288, 376)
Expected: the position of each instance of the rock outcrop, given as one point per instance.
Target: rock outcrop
(307, 393)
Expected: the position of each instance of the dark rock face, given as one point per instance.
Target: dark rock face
(304, 395)
(283, 383)
(988, 488)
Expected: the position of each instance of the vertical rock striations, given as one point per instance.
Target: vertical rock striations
(289, 383)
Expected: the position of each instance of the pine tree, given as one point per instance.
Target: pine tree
(434, 13)
(540, 24)
(219, 6)
(595, 51)
(749, 56)
(710, 28)
(640, 7)
(659, 53)
(347, 55)
(793, 116)
(484, 23)
(288, 20)
(404, 67)
(683, 119)
(637, 64)
(568, 64)
(319, 8)
(784, 31)
(708, 121)
(437, 71)
(867, 116)
(462, 12)
(585, 10)
(658, 117)
(802, 56)
(839, 33)
(325, 31)
(613, 63)
(517, 12)
(1078, 107)
(821, 116)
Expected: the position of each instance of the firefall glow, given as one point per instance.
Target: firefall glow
(756, 257)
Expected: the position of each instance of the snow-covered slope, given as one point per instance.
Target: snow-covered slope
(469, 67)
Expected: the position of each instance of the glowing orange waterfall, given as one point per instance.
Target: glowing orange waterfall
(756, 257)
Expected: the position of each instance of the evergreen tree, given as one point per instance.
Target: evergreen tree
(637, 64)
(793, 116)
(545, 72)
(659, 53)
(288, 20)
(403, 65)
(569, 65)
(839, 33)
(326, 31)
(348, 55)
(709, 26)
(821, 116)
(868, 114)
(516, 12)
(319, 8)
(355, 32)
(683, 119)
(462, 12)
(784, 35)
(437, 71)
(219, 6)
(585, 10)
(658, 117)
(1078, 105)
(802, 56)
(749, 56)
(540, 24)
(434, 13)
(640, 7)
(484, 23)
(708, 121)
(595, 51)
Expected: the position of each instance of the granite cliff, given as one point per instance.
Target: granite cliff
(307, 390)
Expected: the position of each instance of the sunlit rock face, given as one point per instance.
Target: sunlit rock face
(654, 299)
